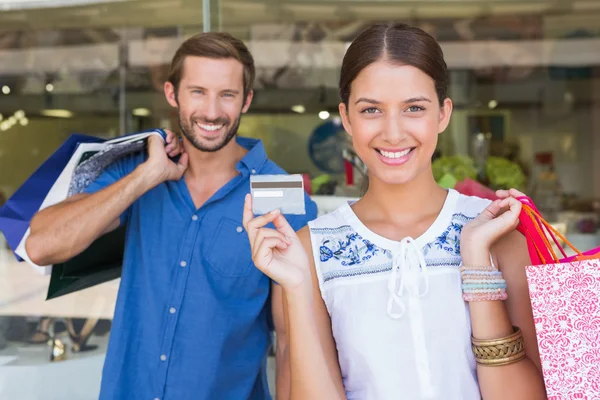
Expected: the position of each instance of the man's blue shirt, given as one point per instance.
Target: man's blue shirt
(192, 314)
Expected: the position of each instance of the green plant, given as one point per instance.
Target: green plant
(504, 174)
(459, 166)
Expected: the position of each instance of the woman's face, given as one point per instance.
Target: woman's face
(394, 118)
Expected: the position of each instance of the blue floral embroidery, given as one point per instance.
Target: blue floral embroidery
(351, 250)
(356, 271)
(449, 240)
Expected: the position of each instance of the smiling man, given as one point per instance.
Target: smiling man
(192, 319)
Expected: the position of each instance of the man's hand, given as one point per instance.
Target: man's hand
(159, 168)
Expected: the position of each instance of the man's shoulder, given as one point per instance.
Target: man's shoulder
(270, 167)
(127, 163)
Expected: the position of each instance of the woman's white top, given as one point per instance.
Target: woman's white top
(401, 327)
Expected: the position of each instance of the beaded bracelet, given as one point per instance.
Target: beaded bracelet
(483, 283)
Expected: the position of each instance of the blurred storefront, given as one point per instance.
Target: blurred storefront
(525, 81)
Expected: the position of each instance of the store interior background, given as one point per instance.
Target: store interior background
(526, 73)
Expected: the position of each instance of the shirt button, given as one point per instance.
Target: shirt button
(194, 218)
(172, 310)
(239, 229)
(253, 171)
(183, 263)
(156, 398)
(163, 358)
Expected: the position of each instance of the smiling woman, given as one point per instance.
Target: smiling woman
(395, 128)
(378, 311)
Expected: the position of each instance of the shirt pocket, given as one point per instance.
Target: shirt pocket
(228, 253)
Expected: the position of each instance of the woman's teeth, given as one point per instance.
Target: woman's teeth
(210, 128)
(395, 154)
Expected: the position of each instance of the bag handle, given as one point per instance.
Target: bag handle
(538, 248)
(527, 201)
(534, 214)
(539, 227)
(536, 241)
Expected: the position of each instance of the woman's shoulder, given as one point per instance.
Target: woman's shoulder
(336, 220)
(470, 206)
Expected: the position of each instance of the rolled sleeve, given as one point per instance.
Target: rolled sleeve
(112, 174)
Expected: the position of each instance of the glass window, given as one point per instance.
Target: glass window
(524, 79)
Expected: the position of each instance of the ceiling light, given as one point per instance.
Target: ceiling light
(299, 108)
(24, 121)
(4, 126)
(569, 97)
(57, 113)
(12, 120)
(49, 87)
(30, 4)
(140, 112)
(324, 114)
(5, 89)
(20, 114)
(492, 104)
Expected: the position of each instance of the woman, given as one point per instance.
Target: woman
(406, 289)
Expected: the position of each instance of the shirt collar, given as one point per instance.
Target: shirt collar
(256, 157)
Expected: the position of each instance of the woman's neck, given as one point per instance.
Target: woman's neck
(410, 203)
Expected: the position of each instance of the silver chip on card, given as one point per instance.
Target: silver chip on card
(283, 192)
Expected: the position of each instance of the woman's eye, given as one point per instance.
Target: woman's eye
(415, 108)
(370, 110)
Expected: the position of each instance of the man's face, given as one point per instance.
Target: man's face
(210, 101)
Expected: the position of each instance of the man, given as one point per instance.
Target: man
(191, 320)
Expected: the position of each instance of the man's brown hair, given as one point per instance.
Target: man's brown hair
(217, 45)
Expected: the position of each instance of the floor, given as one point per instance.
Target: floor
(46, 380)
(22, 294)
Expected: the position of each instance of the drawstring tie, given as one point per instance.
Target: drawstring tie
(410, 263)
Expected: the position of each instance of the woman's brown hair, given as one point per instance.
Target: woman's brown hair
(396, 43)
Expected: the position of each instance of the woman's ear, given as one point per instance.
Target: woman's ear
(445, 113)
(343, 109)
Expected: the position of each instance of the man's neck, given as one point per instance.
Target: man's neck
(220, 163)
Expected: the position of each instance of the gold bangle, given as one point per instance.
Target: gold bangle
(503, 351)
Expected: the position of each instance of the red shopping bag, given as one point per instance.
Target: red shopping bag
(565, 298)
(470, 187)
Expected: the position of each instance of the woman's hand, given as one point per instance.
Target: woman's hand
(278, 253)
(498, 219)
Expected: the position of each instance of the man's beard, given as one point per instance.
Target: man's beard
(187, 128)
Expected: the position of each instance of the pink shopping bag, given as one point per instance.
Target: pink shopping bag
(565, 297)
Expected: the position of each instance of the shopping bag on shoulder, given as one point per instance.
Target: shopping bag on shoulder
(77, 163)
(17, 212)
(565, 298)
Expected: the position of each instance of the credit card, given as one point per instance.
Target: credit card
(283, 192)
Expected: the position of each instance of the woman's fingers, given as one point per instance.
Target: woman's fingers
(502, 194)
(263, 252)
(507, 212)
(254, 224)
